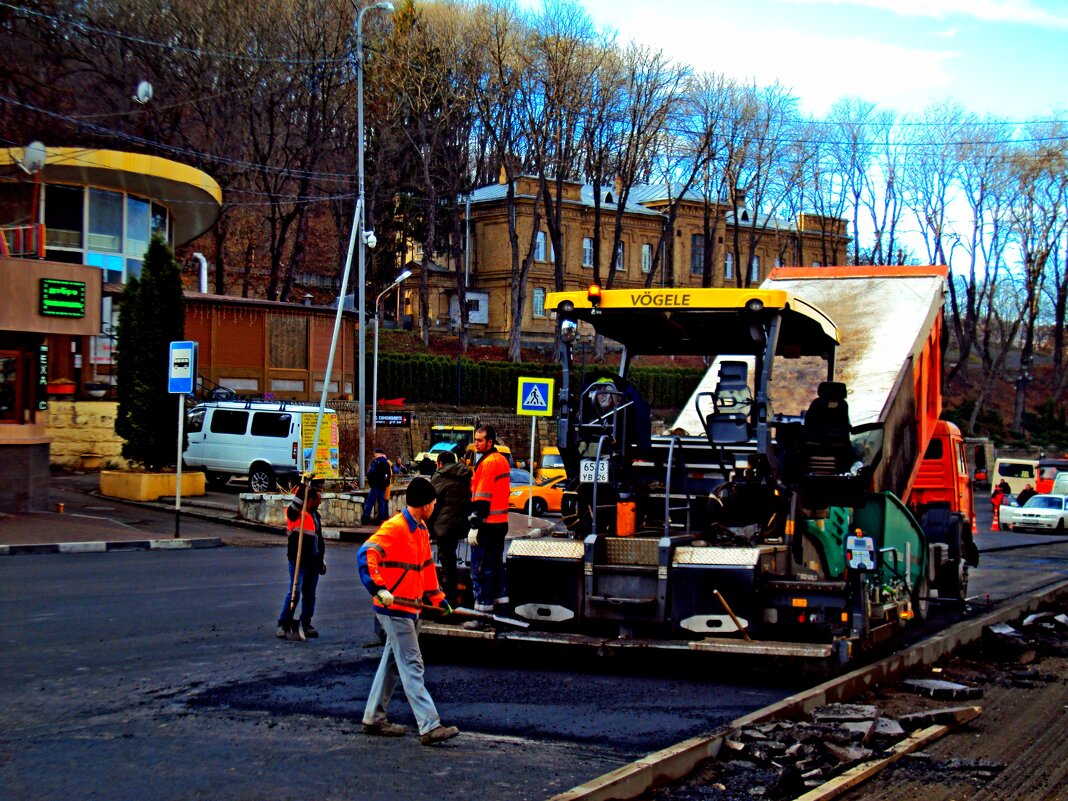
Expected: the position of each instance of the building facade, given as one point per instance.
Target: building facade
(809, 240)
(74, 227)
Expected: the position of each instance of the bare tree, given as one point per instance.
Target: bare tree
(1038, 223)
(498, 98)
(984, 180)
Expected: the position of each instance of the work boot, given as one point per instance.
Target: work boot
(280, 632)
(383, 728)
(310, 631)
(438, 735)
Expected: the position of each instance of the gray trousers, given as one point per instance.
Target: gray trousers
(401, 659)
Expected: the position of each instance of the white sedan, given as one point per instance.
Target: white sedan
(1042, 512)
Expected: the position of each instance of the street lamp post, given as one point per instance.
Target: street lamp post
(374, 381)
(367, 238)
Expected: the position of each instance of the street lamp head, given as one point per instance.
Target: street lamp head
(384, 7)
(403, 277)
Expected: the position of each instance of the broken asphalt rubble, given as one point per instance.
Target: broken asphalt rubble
(785, 758)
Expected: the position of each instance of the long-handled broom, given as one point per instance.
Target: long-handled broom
(295, 630)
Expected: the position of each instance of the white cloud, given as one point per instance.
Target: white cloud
(1024, 12)
(818, 69)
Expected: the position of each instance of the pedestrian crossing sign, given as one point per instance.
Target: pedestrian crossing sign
(535, 397)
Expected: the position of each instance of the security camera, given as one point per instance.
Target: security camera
(370, 240)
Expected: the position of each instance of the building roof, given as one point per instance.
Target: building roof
(193, 197)
(637, 198)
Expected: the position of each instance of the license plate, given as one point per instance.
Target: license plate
(588, 473)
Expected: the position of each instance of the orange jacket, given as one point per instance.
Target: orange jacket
(313, 549)
(397, 558)
(491, 484)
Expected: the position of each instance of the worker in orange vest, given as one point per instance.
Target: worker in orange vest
(997, 497)
(397, 568)
(488, 524)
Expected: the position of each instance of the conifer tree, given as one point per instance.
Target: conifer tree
(152, 316)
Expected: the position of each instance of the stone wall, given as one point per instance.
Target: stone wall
(338, 509)
(84, 427)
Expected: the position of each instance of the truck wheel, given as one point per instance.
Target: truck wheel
(921, 604)
(261, 479)
(953, 582)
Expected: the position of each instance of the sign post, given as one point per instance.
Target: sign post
(181, 373)
(535, 399)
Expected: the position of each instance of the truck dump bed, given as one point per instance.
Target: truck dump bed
(890, 321)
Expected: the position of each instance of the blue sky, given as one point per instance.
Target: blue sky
(1007, 58)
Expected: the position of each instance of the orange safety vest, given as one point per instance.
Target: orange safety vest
(397, 557)
(309, 547)
(491, 483)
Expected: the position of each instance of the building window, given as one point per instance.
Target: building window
(754, 270)
(105, 221)
(728, 267)
(697, 254)
(288, 343)
(109, 263)
(647, 257)
(587, 251)
(539, 302)
(620, 263)
(539, 246)
(138, 227)
(64, 216)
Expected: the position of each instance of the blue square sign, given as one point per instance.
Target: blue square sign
(182, 368)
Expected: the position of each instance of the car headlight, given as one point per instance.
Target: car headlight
(516, 492)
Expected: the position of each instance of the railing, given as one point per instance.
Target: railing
(23, 241)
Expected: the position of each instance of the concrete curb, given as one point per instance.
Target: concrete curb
(210, 512)
(674, 762)
(115, 545)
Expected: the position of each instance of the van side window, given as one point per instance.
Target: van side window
(1010, 470)
(228, 421)
(195, 422)
(271, 424)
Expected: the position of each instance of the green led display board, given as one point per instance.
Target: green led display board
(62, 298)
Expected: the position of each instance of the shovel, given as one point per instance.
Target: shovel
(465, 612)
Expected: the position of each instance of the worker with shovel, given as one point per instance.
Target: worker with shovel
(397, 569)
(306, 546)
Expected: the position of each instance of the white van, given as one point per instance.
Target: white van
(1060, 484)
(263, 440)
(1017, 473)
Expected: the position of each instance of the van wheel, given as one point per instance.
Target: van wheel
(261, 479)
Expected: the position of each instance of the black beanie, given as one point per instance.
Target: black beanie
(420, 492)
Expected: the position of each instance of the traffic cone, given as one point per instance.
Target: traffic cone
(995, 524)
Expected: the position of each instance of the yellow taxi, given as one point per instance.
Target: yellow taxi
(547, 495)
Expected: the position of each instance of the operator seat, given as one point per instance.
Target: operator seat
(828, 450)
(732, 402)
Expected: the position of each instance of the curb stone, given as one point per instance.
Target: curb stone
(104, 547)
